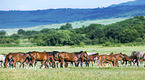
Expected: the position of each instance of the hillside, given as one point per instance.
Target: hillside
(25, 19)
(131, 3)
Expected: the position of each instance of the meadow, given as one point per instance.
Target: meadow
(72, 73)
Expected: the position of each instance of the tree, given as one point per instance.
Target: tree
(21, 32)
(67, 26)
(2, 33)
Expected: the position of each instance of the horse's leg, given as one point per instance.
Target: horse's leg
(86, 63)
(61, 63)
(100, 60)
(92, 63)
(138, 62)
(46, 65)
(57, 63)
(42, 63)
(35, 64)
(82, 63)
(66, 65)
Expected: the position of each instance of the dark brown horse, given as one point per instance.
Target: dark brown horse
(20, 58)
(72, 57)
(91, 59)
(41, 56)
(128, 59)
(138, 55)
(54, 54)
(10, 56)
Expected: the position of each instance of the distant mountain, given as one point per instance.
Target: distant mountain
(131, 3)
(24, 19)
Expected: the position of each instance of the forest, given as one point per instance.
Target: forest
(131, 30)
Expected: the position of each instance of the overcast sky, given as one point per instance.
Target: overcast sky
(47, 4)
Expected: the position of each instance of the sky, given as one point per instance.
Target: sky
(47, 4)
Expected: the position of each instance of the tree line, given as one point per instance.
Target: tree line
(129, 30)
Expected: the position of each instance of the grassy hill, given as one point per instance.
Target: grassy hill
(25, 19)
(75, 24)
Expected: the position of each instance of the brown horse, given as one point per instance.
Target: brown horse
(10, 56)
(119, 57)
(54, 54)
(72, 57)
(40, 56)
(20, 58)
(91, 59)
(108, 59)
(128, 59)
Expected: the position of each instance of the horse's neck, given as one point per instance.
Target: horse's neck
(117, 55)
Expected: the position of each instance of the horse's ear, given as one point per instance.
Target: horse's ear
(111, 53)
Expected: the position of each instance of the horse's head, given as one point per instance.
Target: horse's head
(120, 55)
(111, 53)
(84, 54)
(56, 54)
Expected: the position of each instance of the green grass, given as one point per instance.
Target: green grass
(74, 73)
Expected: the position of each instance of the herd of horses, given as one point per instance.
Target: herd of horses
(54, 58)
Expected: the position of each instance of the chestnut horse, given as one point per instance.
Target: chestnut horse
(72, 57)
(40, 56)
(119, 57)
(91, 58)
(10, 56)
(20, 58)
(104, 58)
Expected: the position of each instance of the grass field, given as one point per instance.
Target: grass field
(74, 73)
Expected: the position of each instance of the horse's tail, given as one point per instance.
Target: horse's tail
(6, 61)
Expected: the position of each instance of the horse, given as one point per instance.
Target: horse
(128, 59)
(10, 56)
(91, 58)
(20, 58)
(53, 55)
(40, 56)
(138, 55)
(109, 59)
(72, 57)
(119, 57)
(2, 59)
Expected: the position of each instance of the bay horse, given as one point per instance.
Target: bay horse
(138, 55)
(43, 57)
(128, 59)
(10, 56)
(72, 57)
(104, 58)
(20, 58)
(91, 58)
(54, 54)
